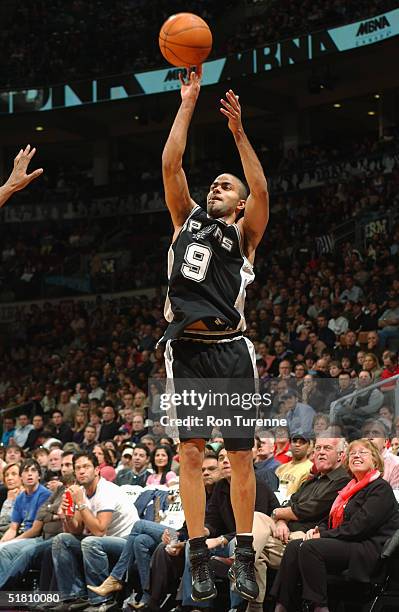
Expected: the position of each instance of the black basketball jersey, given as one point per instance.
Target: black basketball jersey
(208, 274)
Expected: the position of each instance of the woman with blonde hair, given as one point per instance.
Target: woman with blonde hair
(79, 425)
(362, 518)
(372, 365)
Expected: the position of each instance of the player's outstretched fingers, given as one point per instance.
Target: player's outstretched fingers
(31, 154)
(35, 174)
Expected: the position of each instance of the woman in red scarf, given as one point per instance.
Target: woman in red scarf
(362, 518)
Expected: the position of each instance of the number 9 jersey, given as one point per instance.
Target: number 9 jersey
(208, 274)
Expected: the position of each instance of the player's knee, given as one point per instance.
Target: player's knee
(192, 453)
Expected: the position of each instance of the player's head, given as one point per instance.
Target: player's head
(227, 196)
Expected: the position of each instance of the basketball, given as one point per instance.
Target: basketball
(185, 40)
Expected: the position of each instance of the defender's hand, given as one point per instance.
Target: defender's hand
(190, 88)
(18, 178)
(232, 110)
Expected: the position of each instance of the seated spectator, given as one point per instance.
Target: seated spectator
(23, 515)
(95, 390)
(110, 426)
(58, 428)
(338, 322)
(138, 429)
(372, 365)
(36, 436)
(8, 430)
(103, 510)
(89, 438)
(378, 434)
(285, 371)
(314, 393)
(325, 332)
(126, 460)
(161, 462)
(391, 368)
(315, 345)
(299, 415)
(294, 473)
(79, 425)
(389, 322)
(348, 348)
(139, 472)
(106, 469)
(374, 344)
(22, 429)
(13, 483)
(95, 419)
(363, 516)
(352, 292)
(261, 465)
(353, 412)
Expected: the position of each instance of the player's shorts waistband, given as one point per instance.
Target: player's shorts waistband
(210, 336)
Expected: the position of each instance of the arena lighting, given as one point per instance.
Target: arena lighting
(39, 128)
(136, 117)
(371, 113)
(337, 105)
(377, 96)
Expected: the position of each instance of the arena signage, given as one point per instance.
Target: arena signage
(254, 61)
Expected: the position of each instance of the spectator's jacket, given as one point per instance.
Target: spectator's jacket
(147, 502)
(371, 516)
(219, 516)
(47, 513)
(300, 418)
(313, 500)
(266, 471)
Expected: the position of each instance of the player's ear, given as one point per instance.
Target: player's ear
(241, 204)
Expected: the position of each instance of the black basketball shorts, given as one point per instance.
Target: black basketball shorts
(221, 370)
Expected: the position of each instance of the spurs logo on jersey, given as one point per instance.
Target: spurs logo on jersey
(207, 274)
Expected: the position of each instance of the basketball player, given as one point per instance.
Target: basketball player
(210, 263)
(18, 178)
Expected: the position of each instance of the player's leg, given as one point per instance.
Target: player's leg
(183, 366)
(193, 498)
(243, 484)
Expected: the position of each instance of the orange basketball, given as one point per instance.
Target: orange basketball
(185, 40)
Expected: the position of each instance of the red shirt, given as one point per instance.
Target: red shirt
(284, 456)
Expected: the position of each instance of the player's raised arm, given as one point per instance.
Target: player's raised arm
(177, 193)
(19, 178)
(256, 213)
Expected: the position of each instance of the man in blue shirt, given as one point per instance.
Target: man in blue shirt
(299, 416)
(23, 515)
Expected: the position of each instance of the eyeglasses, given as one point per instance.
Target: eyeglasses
(362, 453)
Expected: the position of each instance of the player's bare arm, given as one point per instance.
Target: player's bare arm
(256, 215)
(19, 178)
(177, 194)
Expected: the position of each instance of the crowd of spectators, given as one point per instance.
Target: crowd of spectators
(90, 39)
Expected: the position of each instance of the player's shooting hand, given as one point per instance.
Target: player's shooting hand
(190, 87)
(19, 178)
(232, 110)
